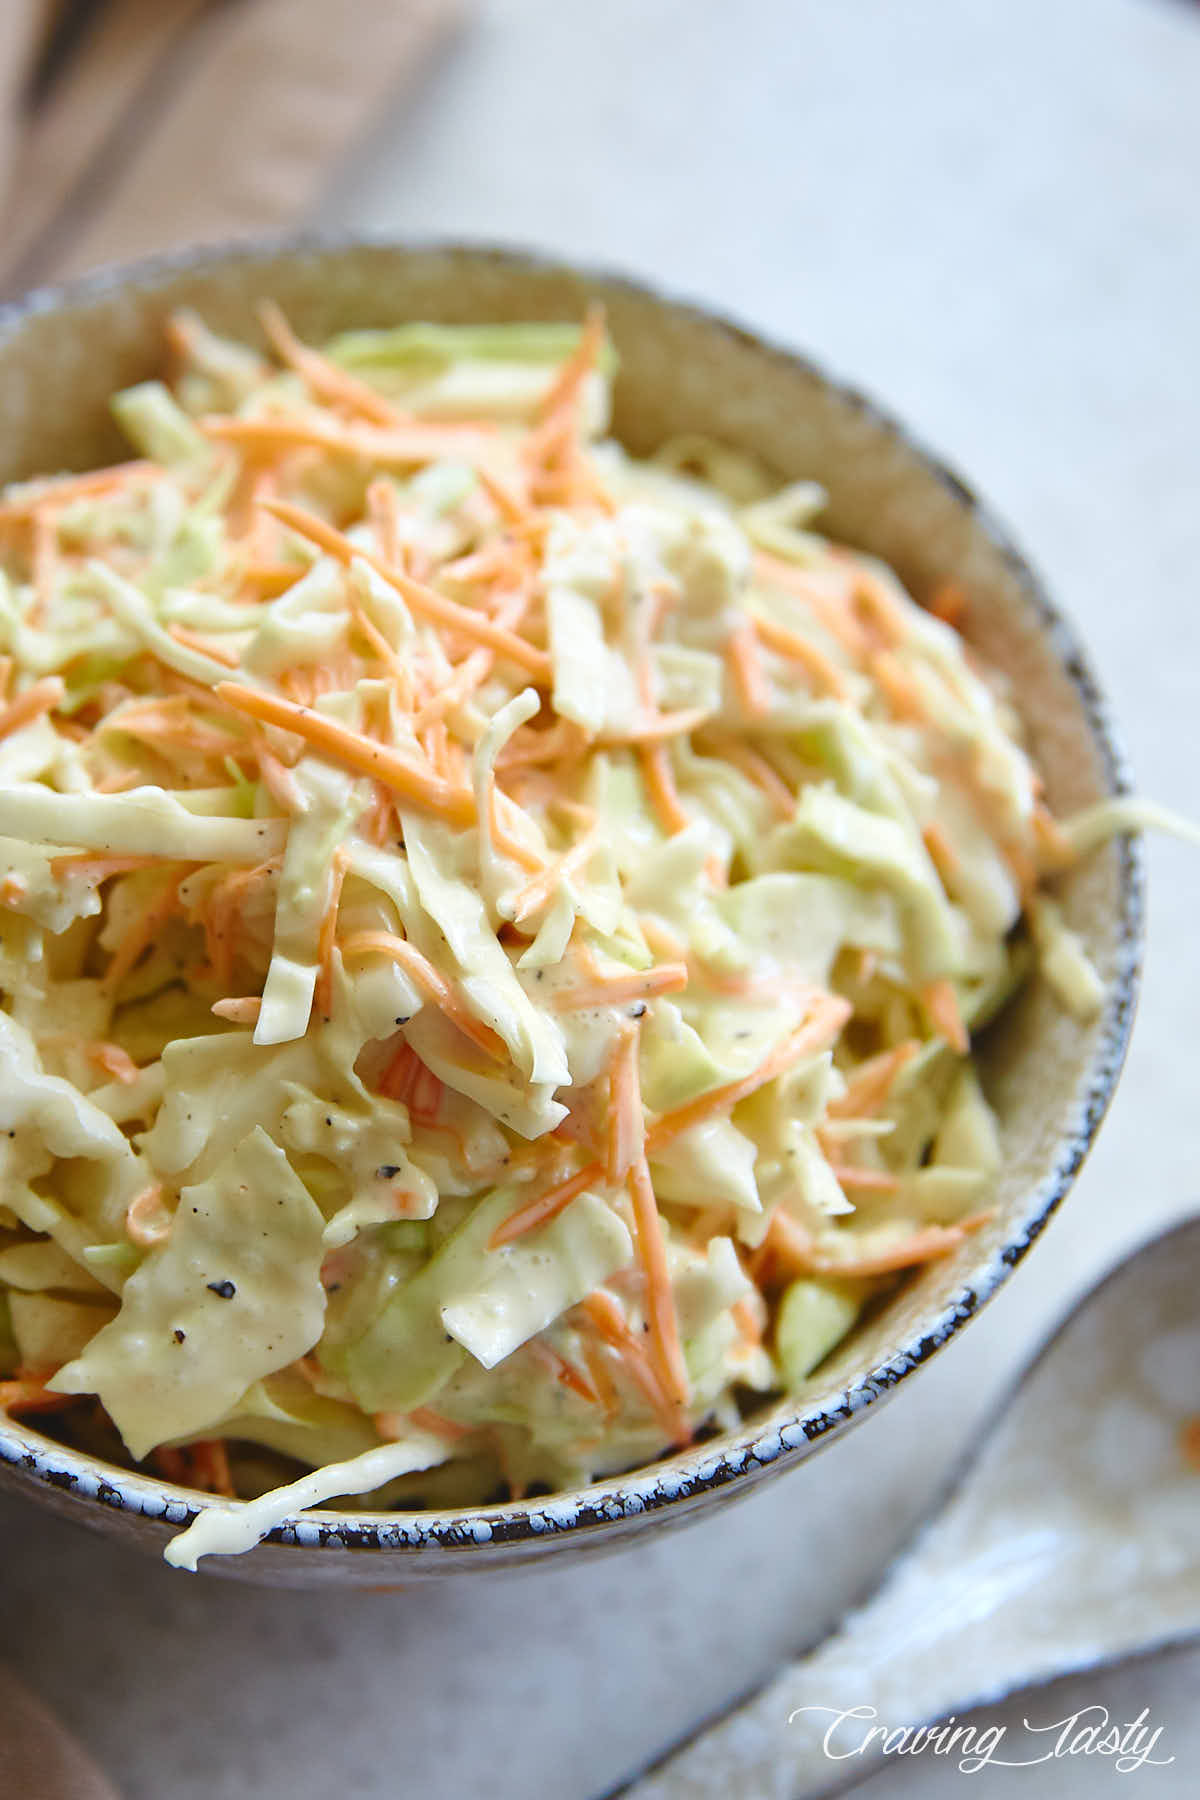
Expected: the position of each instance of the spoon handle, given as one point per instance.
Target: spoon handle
(894, 1662)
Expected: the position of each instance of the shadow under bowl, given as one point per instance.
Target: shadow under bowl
(62, 354)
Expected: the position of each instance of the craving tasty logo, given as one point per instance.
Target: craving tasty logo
(1089, 1732)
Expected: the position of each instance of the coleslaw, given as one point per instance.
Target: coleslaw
(491, 929)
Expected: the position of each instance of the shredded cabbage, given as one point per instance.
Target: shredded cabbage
(489, 940)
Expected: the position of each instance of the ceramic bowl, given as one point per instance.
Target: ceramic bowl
(62, 354)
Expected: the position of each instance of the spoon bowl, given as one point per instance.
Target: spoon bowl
(1069, 1539)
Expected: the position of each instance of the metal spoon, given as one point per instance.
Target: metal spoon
(1071, 1539)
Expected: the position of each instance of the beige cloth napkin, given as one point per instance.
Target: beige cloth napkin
(188, 121)
(172, 122)
(39, 1760)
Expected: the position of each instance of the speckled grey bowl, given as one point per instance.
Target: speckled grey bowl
(61, 355)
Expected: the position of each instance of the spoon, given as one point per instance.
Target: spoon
(1070, 1539)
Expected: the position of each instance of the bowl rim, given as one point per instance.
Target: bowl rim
(776, 1442)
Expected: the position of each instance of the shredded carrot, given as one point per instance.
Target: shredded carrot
(886, 612)
(547, 1205)
(755, 767)
(224, 905)
(749, 1319)
(818, 1031)
(393, 1425)
(433, 984)
(469, 675)
(652, 1252)
(899, 688)
(386, 654)
(363, 754)
(626, 1126)
(46, 561)
(279, 781)
(146, 1222)
(802, 650)
(627, 1158)
(511, 507)
(30, 1394)
(41, 697)
(410, 442)
(785, 1242)
(610, 1323)
(562, 1371)
(241, 1011)
(203, 1465)
(1022, 867)
(826, 1019)
(172, 1465)
(871, 1083)
(941, 1003)
(620, 989)
(661, 939)
(13, 889)
(323, 997)
(594, 1355)
(1054, 846)
(833, 612)
(746, 670)
(383, 511)
(421, 598)
(852, 1175)
(660, 785)
(658, 726)
(141, 933)
(1189, 1441)
(270, 579)
(115, 1062)
(948, 602)
(63, 490)
(407, 1079)
(528, 747)
(942, 853)
(930, 1242)
(564, 392)
(221, 653)
(323, 378)
(210, 1467)
(544, 884)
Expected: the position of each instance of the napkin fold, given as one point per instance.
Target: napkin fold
(170, 122)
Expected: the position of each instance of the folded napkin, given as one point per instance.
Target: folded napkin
(128, 126)
(39, 1760)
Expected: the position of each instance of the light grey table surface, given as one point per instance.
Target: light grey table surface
(989, 214)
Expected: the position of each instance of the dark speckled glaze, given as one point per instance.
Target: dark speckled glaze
(62, 353)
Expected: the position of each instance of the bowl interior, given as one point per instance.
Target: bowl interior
(61, 356)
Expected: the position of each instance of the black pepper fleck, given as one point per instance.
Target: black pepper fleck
(638, 1010)
(388, 1171)
(179, 1335)
(225, 1290)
